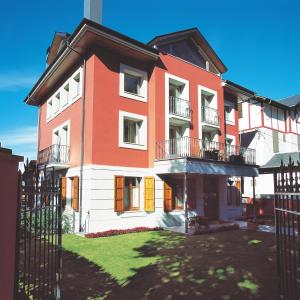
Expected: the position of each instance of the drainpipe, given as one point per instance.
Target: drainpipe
(82, 135)
(254, 200)
(82, 146)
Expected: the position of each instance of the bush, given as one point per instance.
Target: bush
(120, 231)
(67, 222)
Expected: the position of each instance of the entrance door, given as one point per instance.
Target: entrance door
(211, 197)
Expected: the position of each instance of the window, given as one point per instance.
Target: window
(65, 95)
(229, 112)
(49, 109)
(76, 85)
(275, 141)
(132, 131)
(56, 103)
(133, 83)
(127, 193)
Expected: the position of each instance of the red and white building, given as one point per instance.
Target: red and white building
(141, 134)
(272, 128)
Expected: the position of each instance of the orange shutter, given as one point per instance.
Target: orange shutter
(238, 196)
(63, 192)
(167, 197)
(75, 193)
(149, 194)
(119, 193)
(191, 194)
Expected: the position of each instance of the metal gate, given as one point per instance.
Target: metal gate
(287, 213)
(39, 228)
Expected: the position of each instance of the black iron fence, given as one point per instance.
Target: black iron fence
(187, 147)
(287, 214)
(179, 107)
(210, 116)
(38, 245)
(55, 154)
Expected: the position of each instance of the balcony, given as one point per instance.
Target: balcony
(54, 155)
(210, 116)
(180, 108)
(187, 147)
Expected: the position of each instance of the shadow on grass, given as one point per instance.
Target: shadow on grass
(216, 266)
(83, 279)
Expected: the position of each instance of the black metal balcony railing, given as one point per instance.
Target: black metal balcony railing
(55, 154)
(195, 148)
(210, 116)
(179, 107)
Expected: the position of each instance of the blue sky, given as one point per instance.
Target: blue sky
(259, 42)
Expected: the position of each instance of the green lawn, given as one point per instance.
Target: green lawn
(155, 265)
(116, 255)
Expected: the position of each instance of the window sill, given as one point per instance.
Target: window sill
(133, 96)
(133, 146)
(230, 122)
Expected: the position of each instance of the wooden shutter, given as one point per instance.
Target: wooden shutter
(167, 197)
(238, 193)
(119, 193)
(149, 194)
(191, 194)
(240, 110)
(275, 142)
(75, 193)
(63, 192)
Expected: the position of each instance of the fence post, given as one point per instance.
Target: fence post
(8, 201)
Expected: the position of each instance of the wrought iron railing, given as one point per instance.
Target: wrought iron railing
(179, 107)
(59, 154)
(210, 116)
(187, 147)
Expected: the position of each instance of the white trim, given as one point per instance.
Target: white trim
(61, 91)
(143, 130)
(144, 86)
(232, 137)
(186, 95)
(215, 106)
(231, 104)
(58, 128)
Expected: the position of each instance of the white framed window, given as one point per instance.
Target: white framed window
(76, 85)
(56, 103)
(229, 112)
(49, 109)
(65, 95)
(133, 83)
(132, 131)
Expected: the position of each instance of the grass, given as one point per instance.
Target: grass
(229, 265)
(117, 255)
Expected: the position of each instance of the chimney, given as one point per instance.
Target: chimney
(93, 10)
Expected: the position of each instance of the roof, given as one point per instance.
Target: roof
(275, 161)
(200, 40)
(238, 87)
(94, 28)
(291, 101)
(55, 46)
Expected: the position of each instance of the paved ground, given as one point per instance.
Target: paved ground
(226, 265)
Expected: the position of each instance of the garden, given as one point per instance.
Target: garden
(160, 264)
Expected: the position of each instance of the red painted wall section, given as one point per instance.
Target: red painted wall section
(8, 202)
(196, 76)
(107, 104)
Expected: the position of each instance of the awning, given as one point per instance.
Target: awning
(184, 165)
(276, 159)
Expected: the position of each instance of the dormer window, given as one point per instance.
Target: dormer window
(229, 112)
